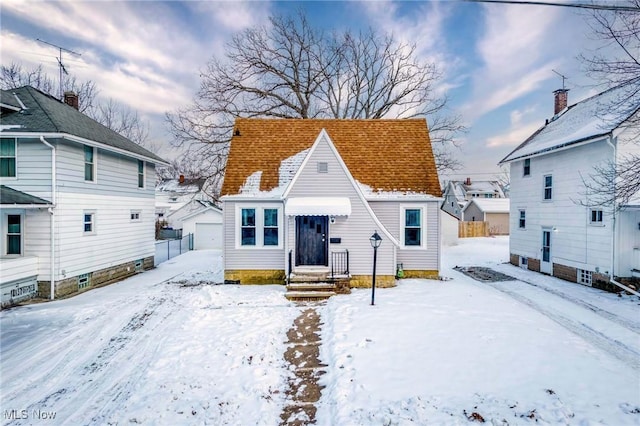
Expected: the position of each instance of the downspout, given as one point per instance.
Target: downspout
(52, 217)
(613, 231)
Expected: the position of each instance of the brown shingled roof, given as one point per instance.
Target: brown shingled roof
(387, 155)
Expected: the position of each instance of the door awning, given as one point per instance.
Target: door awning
(318, 206)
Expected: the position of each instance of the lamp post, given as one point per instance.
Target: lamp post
(375, 241)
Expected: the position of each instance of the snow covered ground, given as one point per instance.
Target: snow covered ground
(166, 347)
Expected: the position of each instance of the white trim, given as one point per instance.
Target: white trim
(93, 222)
(15, 159)
(423, 226)
(137, 212)
(317, 206)
(94, 164)
(5, 234)
(7, 106)
(569, 145)
(325, 136)
(83, 141)
(544, 188)
(144, 174)
(259, 226)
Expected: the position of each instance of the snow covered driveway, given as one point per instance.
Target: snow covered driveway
(158, 348)
(167, 348)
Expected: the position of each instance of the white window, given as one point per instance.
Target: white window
(89, 164)
(259, 226)
(548, 187)
(584, 277)
(14, 235)
(89, 225)
(526, 167)
(8, 157)
(140, 174)
(413, 227)
(596, 217)
(135, 215)
(522, 222)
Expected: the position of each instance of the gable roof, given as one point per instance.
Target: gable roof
(583, 121)
(46, 114)
(459, 188)
(387, 155)
(12, 197)
(490, 205)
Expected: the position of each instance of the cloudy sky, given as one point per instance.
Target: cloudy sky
(497, 60)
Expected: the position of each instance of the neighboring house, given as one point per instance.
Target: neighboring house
(557, 227)
(202, 219)
(458, 193)
(173, 194)
(300, 194)
(77, 199)
(494, 211)
(449, 225)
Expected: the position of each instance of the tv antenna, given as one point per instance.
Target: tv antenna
(563, 78)
(61, 66)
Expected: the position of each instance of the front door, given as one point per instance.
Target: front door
(545, 262)
(311, 241)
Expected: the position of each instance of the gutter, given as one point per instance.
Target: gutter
(52, 211)
(613, 234)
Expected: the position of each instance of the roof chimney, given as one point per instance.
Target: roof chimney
(468, 181)
(181, 179)
(560, 102)
(71, 99)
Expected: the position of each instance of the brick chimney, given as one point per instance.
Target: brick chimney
(560, 101)
(181, 180)
(71, 99)
(468, 181)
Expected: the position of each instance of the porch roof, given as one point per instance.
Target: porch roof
(317, 206)
(10, 197)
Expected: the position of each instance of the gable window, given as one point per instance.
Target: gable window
(548, 187)
(8, 157)
(522, 221)
(140, 174)
(413, 227)
(323, 167)
(14, 234)
(248, 228)
(89, 222)
(89, 164)
(596, 217)
(270, 227)
(526, 168)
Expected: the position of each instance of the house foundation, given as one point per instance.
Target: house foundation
(254, 276)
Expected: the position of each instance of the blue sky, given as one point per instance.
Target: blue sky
(497, 59)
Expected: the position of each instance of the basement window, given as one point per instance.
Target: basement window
(139, 265)
(584, 277)
(84, 281)
(524, 262)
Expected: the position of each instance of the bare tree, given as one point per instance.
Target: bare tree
(111, 114)
(616, 183)
(292, 70)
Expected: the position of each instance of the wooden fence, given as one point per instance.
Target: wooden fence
(473, 229)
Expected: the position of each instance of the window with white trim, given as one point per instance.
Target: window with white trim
(84, 281)
(323, 167)
(8, 157)
(14, 235)
(89, 225)
(89, 163)
(270, 231)
(522, 221)
(596, 217)
(140, 174)
(548, 187)
(526, 167)
(412, 233)
(248, 227)
(135, 215)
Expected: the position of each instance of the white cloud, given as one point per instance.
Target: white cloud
(515, 136)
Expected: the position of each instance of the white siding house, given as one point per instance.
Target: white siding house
(307, 196)
(558, 226)
(77, 206)
(457, 193)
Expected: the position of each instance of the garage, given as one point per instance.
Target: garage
(208, 236)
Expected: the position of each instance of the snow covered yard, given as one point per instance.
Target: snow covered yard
(166, 347)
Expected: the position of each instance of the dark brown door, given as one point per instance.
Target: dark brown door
(311, 240)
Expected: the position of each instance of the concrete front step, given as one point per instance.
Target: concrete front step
(309, 295)
(309, 286)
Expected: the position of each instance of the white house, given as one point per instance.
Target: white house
(558, 227)
(458, 193)
(173, 194)
(301, 195)
(77, 200)
(494, 211)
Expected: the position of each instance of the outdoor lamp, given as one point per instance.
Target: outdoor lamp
(375, 241)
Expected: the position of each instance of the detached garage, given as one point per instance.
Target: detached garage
(206, 226)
